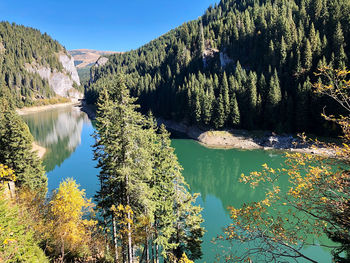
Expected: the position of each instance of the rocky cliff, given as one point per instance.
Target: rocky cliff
(61, 82)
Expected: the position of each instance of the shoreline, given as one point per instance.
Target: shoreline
(235, 138)
(39, 150)
(245, 140)
(35, 109)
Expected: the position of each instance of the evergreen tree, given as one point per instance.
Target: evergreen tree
(18, 242)
(307, 55)
(143, 195)
(273, 101)
(252, 99)
(219, 116)
(122, 156)
(302, 106)
(16, 150)
(235, 115)
(225, 94)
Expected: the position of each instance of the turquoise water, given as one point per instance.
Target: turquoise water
(66, 133)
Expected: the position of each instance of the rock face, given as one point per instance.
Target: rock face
(60, 82)
(68, 64)
(100, 62)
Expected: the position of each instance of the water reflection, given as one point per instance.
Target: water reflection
(217, 172)
(215, 175)
(59, 131)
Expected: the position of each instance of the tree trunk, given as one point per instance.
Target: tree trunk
(115, 240)
(129, 236)
(125, 253)
(62, 250)
(129, 225)
(146, 246)
(153, 258)
(157, 254)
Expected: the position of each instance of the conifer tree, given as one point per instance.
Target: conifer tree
(143, 195)
(307, 55)
(225, 94)
(252, 99)
(273, 100)
(219, 116)
(16, 150)
(123, 159)
(235, 114)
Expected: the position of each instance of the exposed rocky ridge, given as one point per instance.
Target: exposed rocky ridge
(62, 83)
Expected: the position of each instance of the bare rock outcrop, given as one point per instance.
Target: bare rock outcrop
(68, 64)
(62, 83)
(101, 61)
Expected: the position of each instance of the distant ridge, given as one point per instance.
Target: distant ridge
(87, 57)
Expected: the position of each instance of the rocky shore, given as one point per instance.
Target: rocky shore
(241, 139)
(236, 139)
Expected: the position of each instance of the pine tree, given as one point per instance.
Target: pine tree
(219, 116)
(207, 106)
(252, 97)
(16, 150)
(142, 189)
(235, 115)
(307, 55)
(302, 106)
(168, 185)
(225, 94)
(283, 52)
(339, 43)
(273, 101)
(122, 155)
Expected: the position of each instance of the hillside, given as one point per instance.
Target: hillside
(243, 64)
(84, 59)
(87, 57)
(34, 67)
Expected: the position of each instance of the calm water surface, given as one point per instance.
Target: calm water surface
(66, 134)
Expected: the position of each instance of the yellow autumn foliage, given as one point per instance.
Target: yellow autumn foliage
(68, 207)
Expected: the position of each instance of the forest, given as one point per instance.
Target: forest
(248, 64)
(244, 64)
(143, 206)
(20, 45)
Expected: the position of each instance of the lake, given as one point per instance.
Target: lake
(214, 173)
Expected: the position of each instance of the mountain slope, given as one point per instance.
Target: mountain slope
(84, 59)
(34, 66)
(246, 64)
(87, 57)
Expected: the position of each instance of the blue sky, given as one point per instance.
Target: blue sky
(117, 25)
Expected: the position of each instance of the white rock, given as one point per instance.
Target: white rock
(60, 82)
(68, 64)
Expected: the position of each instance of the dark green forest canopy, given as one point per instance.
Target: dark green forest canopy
(20, 45)
(244, 63)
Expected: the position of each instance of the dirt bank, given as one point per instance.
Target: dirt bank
(29, 110)
(39, 149)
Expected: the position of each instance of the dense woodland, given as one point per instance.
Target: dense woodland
(243, 64)
(20, 45)
(143, 211)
